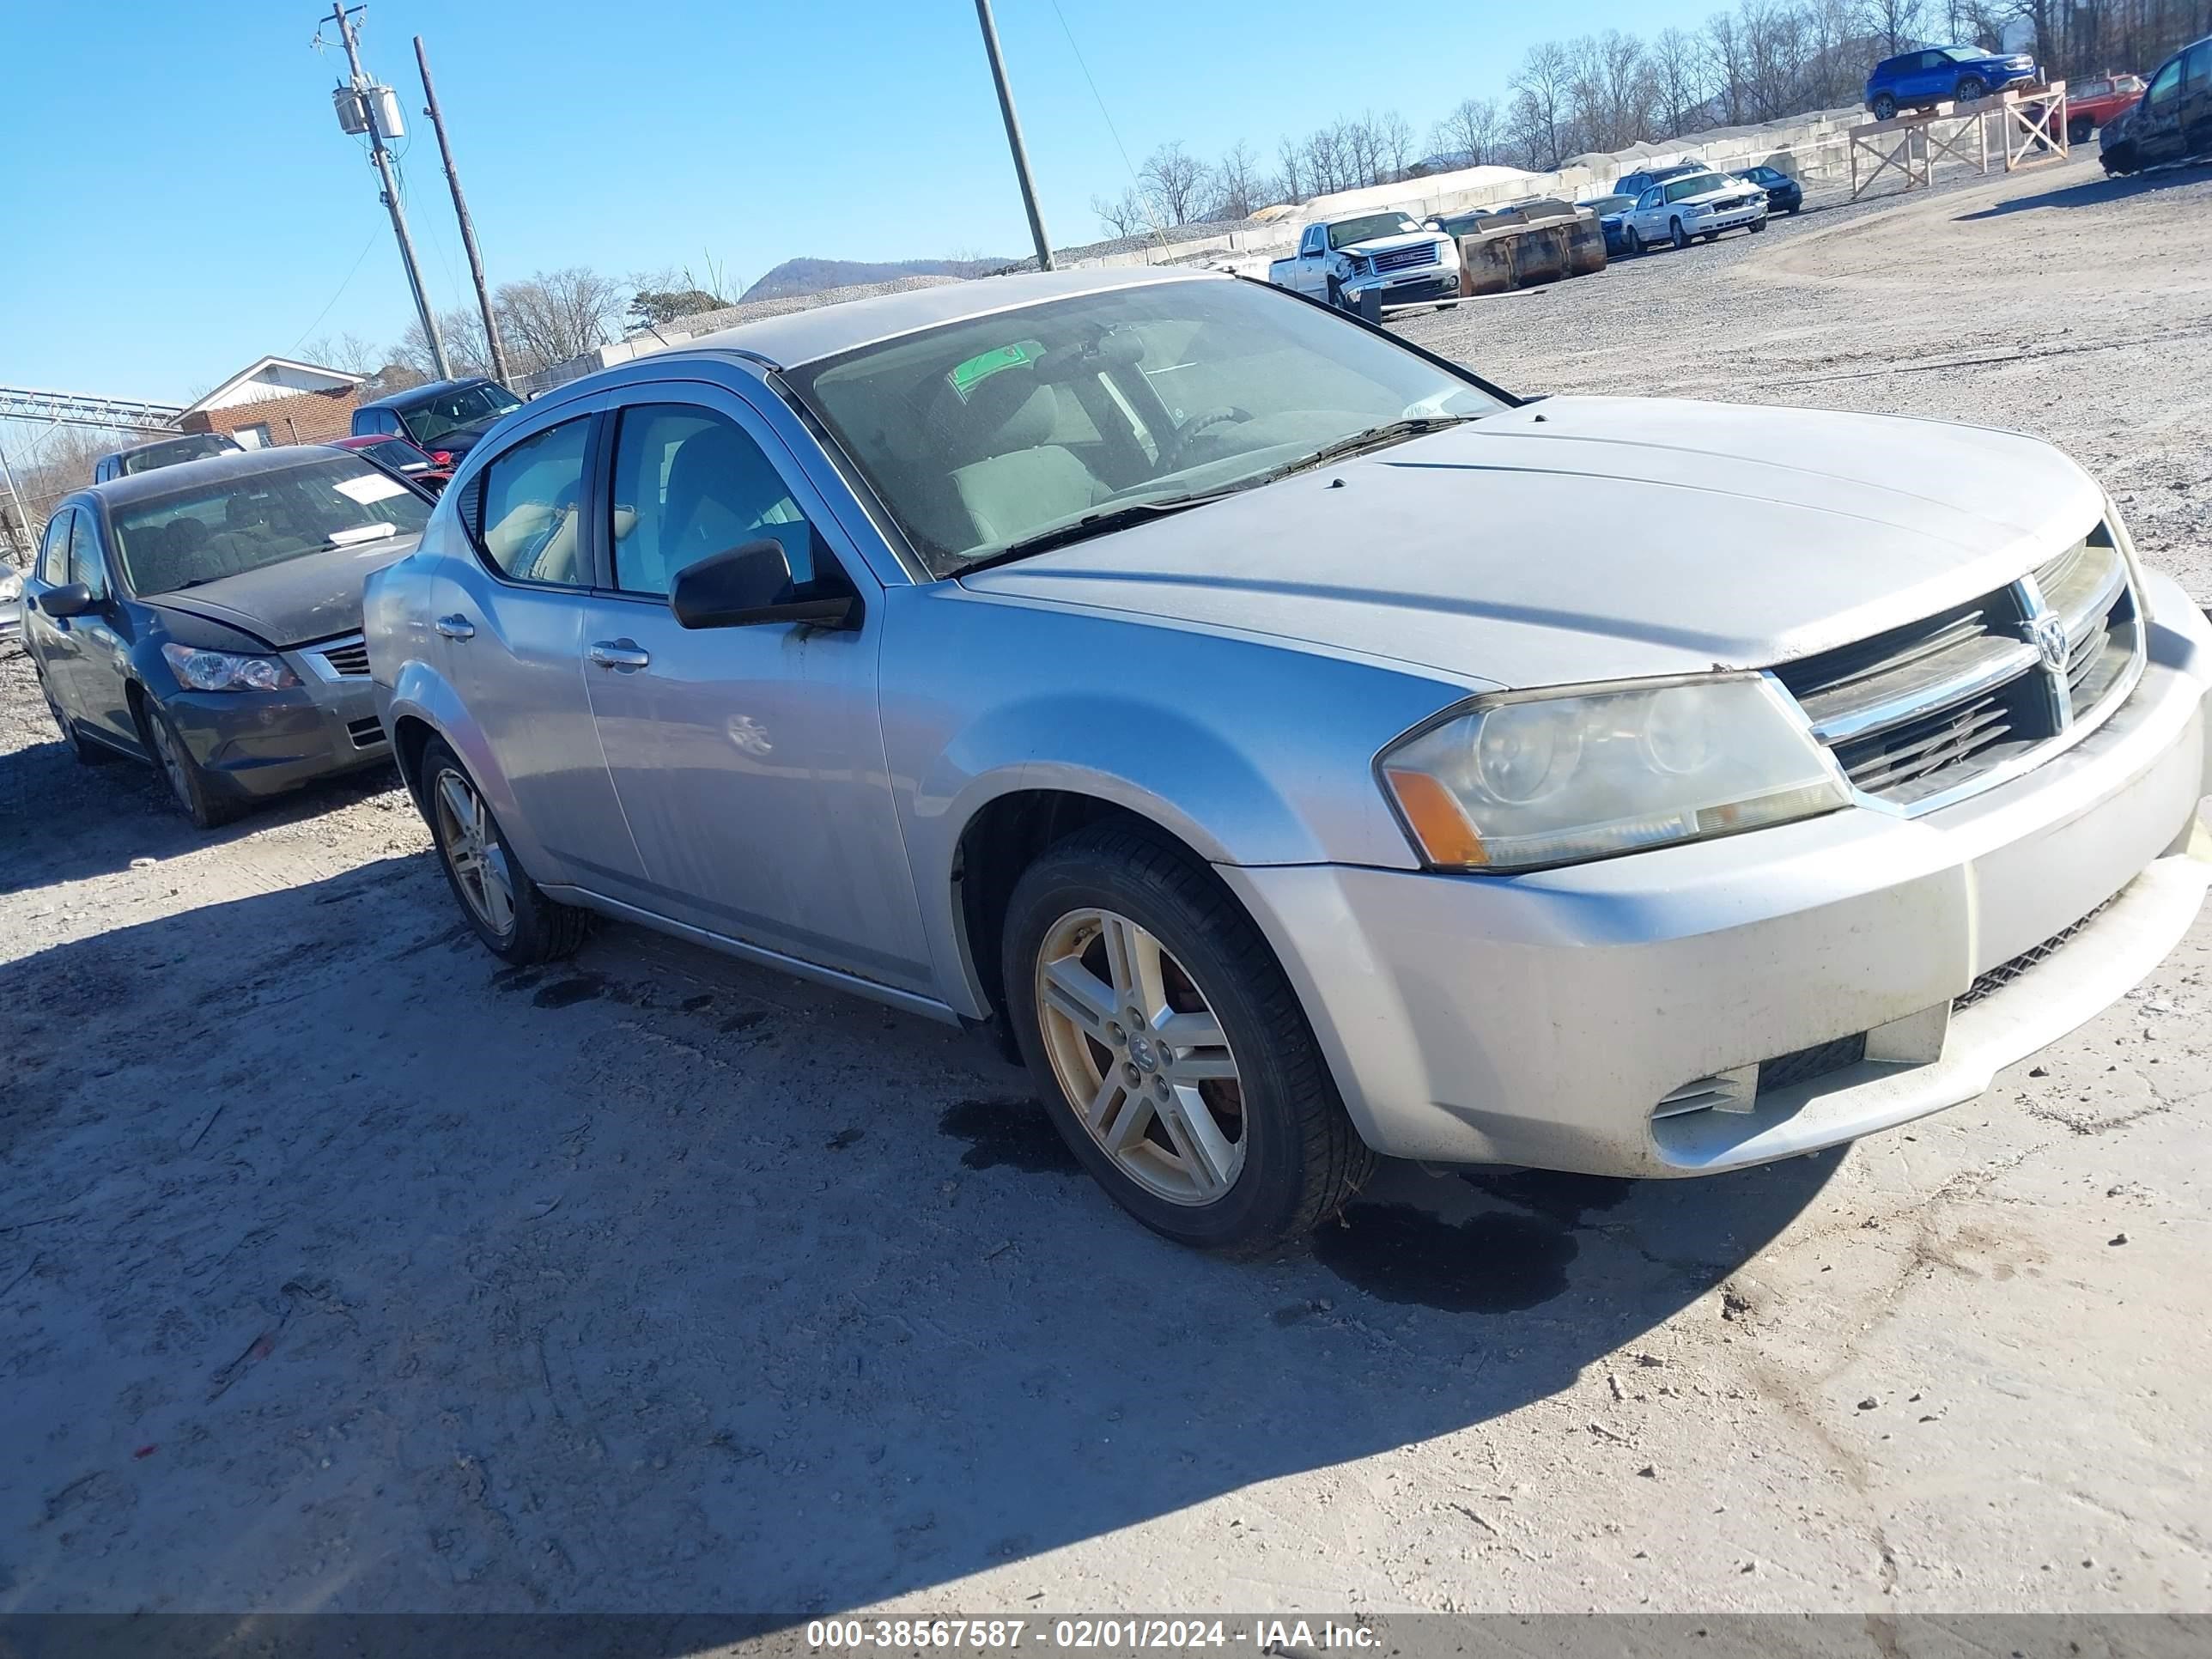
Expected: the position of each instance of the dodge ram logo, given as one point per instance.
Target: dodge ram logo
(2048, 636)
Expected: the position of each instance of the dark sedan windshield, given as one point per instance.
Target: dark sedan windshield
(210, 531)
(473, 406)
(983, 433)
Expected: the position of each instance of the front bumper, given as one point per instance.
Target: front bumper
(1541, 1019)
(1402, 288)
(256, 745)
(1730, 219)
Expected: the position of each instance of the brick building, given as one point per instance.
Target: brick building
(278, 401)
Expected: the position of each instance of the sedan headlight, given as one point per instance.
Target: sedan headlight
(11, 584)
(226, 671)
(1518, 780)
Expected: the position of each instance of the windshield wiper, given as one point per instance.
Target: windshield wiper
(1377, 437)
(1095, 524)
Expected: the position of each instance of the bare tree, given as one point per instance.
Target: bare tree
(1125, 214)
(1679, 76)
(1290, 156)
(1540, 104)
(1393, 146)
(1238, 189)
(1177, 181)
(557, 315)
(1724, 67)
(1470, 133)
(1895, 23)
(347, 353)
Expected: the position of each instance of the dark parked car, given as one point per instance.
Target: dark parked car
(207, 618)
(2172, 122)
(1635, 184)
(444, 418)
(1611, 212)
(1784, 193)
(411, 461)
(1921, 80)
(168, 451)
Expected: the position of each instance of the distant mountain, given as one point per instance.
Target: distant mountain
(794, 277)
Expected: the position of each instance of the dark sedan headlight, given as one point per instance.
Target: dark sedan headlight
(227, 671)
(1519, 780)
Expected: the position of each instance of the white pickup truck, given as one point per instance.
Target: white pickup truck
(1343, 260)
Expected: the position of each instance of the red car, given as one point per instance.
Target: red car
(433, 468)
(2090, 104)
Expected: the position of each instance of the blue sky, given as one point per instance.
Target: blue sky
(180, 200)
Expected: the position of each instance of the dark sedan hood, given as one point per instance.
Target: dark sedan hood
(311, 598)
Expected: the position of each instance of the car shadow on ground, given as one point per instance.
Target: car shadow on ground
(653, 1279)
(365, 1274)
(64, 821)
(2095, 193)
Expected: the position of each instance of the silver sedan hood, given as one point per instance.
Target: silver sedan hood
(1585, 538)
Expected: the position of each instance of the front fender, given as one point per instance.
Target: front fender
(1249, 751)
(419, 691)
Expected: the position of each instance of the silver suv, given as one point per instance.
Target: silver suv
(1246, 715)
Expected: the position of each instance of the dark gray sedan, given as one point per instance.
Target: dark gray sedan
(206, 617)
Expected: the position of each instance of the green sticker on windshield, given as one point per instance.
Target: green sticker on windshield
(965, 377)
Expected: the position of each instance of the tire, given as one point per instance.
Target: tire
(1756, 226)
(1712, 236)
(2078, 131)
(1971, 88)
(1884, 107)
(1632, 243)
(1283, 1157)
(1795, 207)
(1336, 295)
(202, 799)
(1676, 234)
(2118, 162)
(506, 909)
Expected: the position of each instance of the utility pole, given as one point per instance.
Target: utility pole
(30, 530)
(492, 342)
(366, 96)
(1014, 134)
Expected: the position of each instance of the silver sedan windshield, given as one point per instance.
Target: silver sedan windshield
(981, 434)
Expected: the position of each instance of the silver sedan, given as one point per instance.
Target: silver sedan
(1254, 722)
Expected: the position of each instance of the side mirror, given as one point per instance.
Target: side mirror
(70, 600)
(751, 583)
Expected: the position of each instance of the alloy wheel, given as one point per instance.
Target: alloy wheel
(470, 840)
(170, 758)
(1141, 1056)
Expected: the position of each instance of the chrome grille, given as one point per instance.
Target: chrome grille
(340, 659)
(1923, 712)
(1404, 258)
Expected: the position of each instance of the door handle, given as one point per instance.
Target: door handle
(455, 627)
(618, 654)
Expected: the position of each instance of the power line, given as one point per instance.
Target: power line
(340, 294)
(1143, 200)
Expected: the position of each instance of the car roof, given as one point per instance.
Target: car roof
(215, 470)
(805, 336)
(423, 393)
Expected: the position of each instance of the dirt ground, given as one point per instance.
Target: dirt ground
(341, 1270)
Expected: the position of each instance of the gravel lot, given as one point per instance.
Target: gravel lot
(341, 1270)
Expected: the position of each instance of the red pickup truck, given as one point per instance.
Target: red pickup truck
(2091, 103)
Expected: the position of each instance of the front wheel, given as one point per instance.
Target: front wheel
(509, 911)
(1885, 109)
(189, 784)
(1336, 295)
(1756, 226)
(1676, 234)
(1634, 243)
(1172, 1055)
(2119, 162)
(1971, 88)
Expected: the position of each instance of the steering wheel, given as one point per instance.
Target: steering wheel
(1197, 423)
